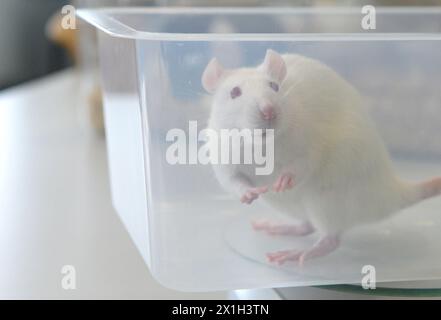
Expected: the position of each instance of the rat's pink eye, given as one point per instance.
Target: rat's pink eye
(235, 92)
(274, 86)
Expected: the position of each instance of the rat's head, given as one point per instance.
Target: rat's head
(246, 98)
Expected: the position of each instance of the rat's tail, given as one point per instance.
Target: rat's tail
(430, 188)
(424, 190)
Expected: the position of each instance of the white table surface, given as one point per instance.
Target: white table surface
(55, 206)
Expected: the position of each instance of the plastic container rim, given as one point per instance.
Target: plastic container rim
(101, 19)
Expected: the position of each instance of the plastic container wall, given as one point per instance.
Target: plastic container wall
(197, 236)
(124, 135)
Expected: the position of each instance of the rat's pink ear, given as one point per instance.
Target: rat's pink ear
(274, 65)
(212, 75)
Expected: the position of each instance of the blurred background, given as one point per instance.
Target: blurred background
(32, 47)
(25, 50)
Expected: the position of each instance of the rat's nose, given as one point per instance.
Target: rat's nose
(268, 112)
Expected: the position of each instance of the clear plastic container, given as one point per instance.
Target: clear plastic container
(196, 235)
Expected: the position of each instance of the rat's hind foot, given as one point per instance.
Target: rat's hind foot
(252, 194)
(280, 257)
(272, 228)
(324, 246)
(284, 182)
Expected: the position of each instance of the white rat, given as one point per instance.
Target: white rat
(329, 158)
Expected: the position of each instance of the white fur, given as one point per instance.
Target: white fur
(343, 174)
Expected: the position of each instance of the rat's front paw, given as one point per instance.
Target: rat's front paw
(252, 194)
(284, 182)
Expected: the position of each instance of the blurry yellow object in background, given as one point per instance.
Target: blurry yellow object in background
(68, 39)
